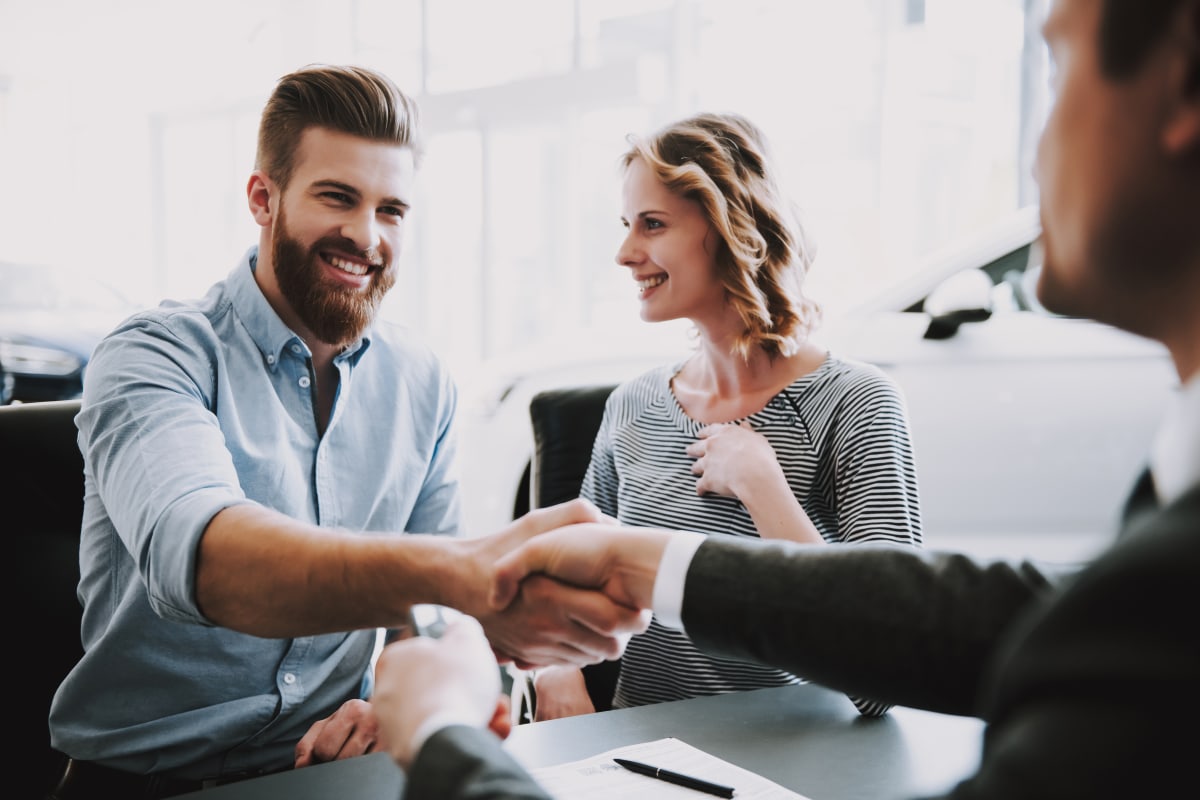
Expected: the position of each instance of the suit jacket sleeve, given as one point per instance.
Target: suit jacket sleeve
(464, 763)
(895, 624)
(1095, 695)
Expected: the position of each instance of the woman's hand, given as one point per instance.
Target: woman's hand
(561, 692)
(730, 457)
(737, 461)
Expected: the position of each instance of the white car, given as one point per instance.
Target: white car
(1028, 427)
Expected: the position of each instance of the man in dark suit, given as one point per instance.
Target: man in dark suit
(1087, 681)
(438, 711)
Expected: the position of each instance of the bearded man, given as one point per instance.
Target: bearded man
(252, 460)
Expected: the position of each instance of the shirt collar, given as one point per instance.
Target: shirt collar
(265, 327)
(1175, 456)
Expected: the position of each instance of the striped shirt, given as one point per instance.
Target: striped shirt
(841, 436)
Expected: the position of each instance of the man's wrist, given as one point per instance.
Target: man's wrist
(452, 572)
(435, 722)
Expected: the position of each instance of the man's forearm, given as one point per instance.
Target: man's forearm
(918, 632)
(261, 573)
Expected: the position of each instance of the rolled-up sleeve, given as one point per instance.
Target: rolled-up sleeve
(155, 453)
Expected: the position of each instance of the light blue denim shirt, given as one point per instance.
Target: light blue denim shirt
(189, 408)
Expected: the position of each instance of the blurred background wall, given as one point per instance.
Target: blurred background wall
(127, 132)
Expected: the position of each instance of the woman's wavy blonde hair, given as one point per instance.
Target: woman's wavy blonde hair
(722, 162)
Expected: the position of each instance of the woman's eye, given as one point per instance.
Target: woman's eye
(653, 224)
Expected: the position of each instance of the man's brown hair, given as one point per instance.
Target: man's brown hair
(352, 100)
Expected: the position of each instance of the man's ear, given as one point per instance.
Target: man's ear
(259, 192)
(1182, 133)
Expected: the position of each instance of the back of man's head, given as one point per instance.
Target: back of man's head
(1129, 30)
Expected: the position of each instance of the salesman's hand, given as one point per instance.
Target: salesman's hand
(552, 624)
(621, 562)
(545, 622)
(350, 731)
(455, 677)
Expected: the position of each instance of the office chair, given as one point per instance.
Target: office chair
(41, 505)
(565, 422)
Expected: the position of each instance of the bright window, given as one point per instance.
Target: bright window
(127, 132)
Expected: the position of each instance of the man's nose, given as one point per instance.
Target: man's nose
(363, 230)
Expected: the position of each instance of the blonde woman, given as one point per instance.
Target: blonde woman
(760, 432)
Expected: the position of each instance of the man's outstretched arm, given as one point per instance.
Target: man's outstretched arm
(262, 573)
(895, 624)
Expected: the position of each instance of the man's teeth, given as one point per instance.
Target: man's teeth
(353, 267)
(650, 283)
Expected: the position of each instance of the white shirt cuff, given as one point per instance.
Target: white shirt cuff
(667, 598)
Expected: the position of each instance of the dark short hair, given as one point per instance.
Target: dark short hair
(352, 100)
(1129, 30)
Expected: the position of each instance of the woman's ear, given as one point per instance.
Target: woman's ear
(259, 192)
(1182, 133)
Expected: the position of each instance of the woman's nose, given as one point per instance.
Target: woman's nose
(628, 254)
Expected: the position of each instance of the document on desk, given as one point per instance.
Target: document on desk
(602, 778)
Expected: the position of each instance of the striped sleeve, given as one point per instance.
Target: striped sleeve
(873, 465)
(600, 481)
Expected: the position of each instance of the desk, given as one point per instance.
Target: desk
(806, 738)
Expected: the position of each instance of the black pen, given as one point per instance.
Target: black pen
(676, 778)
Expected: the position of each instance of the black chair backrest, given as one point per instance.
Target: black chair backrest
(565, 422)
(41, 508)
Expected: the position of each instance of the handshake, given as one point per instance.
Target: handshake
(563, 585)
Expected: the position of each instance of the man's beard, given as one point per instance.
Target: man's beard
(335, 314)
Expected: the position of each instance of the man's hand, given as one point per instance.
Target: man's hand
(350, 731)
(545, 622)
(553, 624)
(620, 562)
(455, 677)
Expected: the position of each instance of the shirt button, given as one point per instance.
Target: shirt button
(295, 348)
(271, 359)
(304, 381)
(289, 678)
